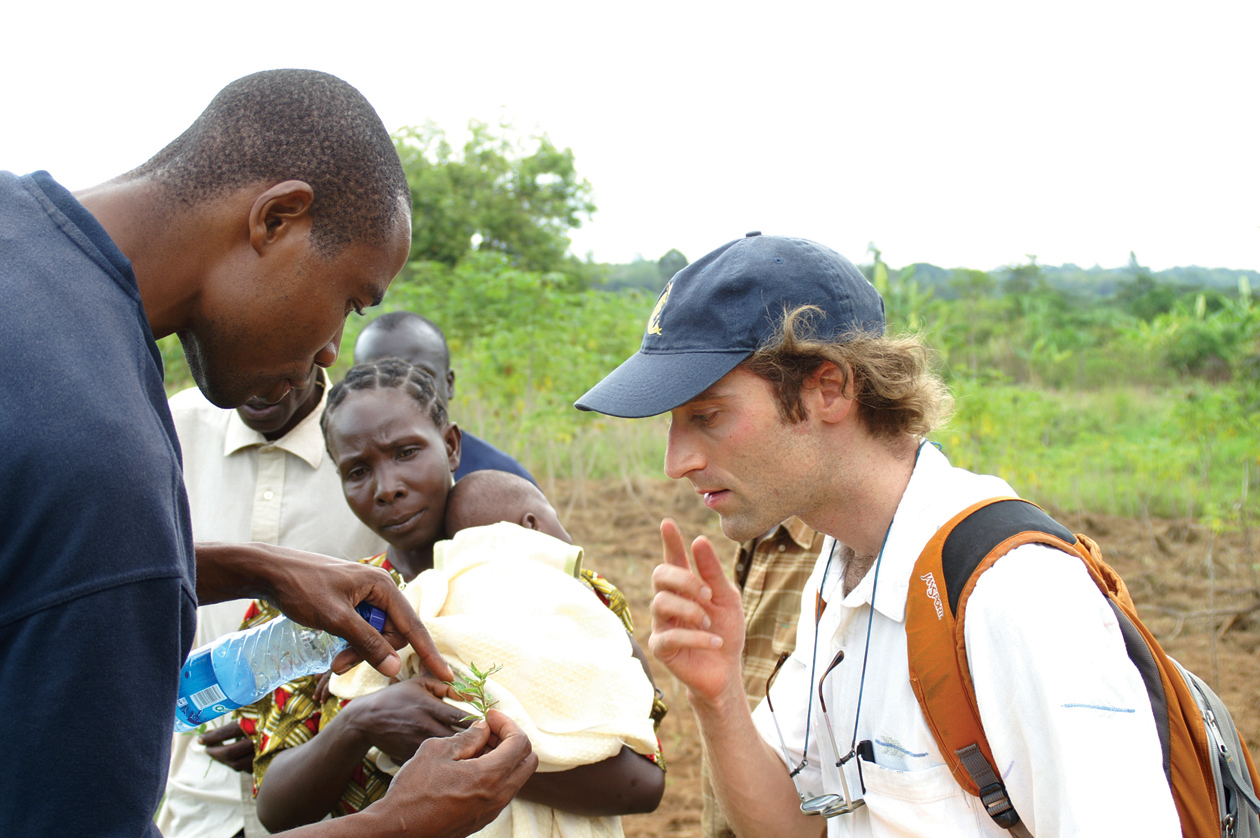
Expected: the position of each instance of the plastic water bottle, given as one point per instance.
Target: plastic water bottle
(240, 668)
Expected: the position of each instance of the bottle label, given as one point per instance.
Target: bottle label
(200, 696)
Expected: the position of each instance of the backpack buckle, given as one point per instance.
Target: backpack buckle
(998, 804)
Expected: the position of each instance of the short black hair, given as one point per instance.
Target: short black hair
(391, 320)
(488, 496)
(387, 374)
(304, 125)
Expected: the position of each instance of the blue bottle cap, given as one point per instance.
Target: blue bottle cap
(374, 615)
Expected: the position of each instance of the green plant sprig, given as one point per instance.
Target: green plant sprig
(473, 687)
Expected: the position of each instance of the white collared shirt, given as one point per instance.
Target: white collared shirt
(1065, 711)
(241, 487)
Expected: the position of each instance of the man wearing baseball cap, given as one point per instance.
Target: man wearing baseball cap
(787, 398)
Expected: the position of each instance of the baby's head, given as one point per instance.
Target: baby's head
(488, 497)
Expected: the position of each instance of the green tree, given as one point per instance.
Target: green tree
(500, 193)
(1023, 279)
(972, 285)
(671, 263)
(1145, 298)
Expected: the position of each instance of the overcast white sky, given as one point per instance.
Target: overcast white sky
(960, 133)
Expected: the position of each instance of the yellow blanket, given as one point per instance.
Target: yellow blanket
(505, 595)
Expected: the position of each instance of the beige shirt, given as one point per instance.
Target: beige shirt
(243, 488)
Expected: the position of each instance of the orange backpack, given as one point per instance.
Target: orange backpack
(1203, 754)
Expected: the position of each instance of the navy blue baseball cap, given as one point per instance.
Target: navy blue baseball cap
(720, 309)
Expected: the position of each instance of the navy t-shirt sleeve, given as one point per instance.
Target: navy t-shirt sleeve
(97, 576)
(478, 455)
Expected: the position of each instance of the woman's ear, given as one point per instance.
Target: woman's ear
(453, 437)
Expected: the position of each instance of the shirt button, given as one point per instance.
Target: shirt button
(782, 548)
(739, 568)
(268, 495)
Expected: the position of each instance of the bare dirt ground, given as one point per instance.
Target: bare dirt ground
(1196, 591)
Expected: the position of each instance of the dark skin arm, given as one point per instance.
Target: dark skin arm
(626, 784)
(452, 788)
(320, 592)
(304, 783)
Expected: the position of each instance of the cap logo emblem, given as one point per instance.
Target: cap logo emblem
(654, 322)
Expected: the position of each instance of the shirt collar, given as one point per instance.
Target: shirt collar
(305, 441)
(793, 528)
(936, 492)
(798, 531)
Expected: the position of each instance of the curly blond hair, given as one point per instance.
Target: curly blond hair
(896, 389)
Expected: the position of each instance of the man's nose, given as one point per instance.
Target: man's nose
(681, 456)
(327, 356)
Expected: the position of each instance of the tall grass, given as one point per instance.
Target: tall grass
(1180, 451)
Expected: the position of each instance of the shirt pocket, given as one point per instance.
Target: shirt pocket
(923, 802)
(784, 633)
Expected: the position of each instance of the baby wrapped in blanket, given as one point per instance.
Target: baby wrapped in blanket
(511, 595)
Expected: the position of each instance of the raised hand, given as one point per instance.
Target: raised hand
(697, 619)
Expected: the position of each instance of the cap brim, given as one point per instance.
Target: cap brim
(647, 384)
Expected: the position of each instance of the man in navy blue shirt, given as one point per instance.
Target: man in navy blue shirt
(252, 236)
(420, 342)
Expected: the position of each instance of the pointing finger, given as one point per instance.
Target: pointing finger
(675, 552)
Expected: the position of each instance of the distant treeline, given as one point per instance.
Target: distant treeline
(1085, 283)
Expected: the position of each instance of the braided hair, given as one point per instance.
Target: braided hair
(387, 374)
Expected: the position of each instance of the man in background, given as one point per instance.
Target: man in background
(420, 342)
(770, 571)
(258, 473)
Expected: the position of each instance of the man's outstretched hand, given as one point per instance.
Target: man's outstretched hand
(321, 592)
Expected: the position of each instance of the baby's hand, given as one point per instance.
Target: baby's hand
(322, 691)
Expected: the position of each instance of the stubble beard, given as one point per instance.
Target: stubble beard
(749, 523)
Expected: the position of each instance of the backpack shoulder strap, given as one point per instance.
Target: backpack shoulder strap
(943, 577)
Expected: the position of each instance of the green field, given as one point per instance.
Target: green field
(1079, 402)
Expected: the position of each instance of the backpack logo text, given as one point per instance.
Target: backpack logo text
(934, 594)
